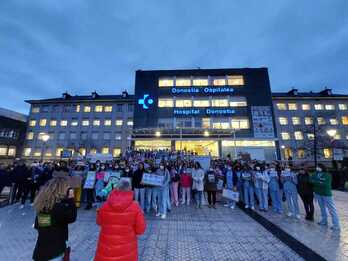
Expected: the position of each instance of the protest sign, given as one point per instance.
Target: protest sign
(230, 194)
(154, 180)
(90, 180)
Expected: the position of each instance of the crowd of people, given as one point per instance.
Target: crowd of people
(181, 179)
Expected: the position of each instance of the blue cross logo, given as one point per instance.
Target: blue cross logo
(145, 101)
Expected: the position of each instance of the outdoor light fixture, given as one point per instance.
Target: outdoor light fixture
(158, 134)
(206, 133)
(283, 147)
(45, 137)
(332, 132)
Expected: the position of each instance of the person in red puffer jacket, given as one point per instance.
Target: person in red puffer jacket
(121, 220)
(186, 184)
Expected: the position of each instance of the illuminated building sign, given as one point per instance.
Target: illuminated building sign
(207, 90)
(145, 101)
(207, 111)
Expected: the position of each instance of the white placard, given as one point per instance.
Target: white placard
(90, 180)
(230, 194)
(154, 180)
(262, 121)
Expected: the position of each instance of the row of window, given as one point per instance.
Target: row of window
(74, 123)
(230, 80)
(9, 151)
(220, 102)
(79, 108)
(8, 133)
(301, 153)
(28, 152)
(309, 120)
(299, 135)
(307, 107)
(74, 135)
(215, 123)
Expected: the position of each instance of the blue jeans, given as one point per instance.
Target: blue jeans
(151, 195)
(292, 200)
(276, 201)
(326, 202)
(248, 194)
(164, 200)
(139, 195)
(199, 196)
(262, 195)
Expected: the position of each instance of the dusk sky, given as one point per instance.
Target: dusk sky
(48, 47)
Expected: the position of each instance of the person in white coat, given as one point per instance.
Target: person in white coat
(198, 183)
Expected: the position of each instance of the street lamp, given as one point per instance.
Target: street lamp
(44, 137)
(158, 134)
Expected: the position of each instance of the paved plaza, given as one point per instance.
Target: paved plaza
(187, 234)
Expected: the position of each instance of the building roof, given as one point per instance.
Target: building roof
(67, 98)
(13, 115)
(295, 94)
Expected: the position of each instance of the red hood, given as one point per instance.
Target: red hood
(120, 200)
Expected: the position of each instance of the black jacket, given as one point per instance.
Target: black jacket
(137, 178)
(21, 174)
(304, 187)
(52, 239)
(210, 181)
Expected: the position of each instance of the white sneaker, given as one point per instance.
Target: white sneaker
(21, 206)
(298, 216)
(163, 216)
(226, 205)
(246, 206)
(232, 207)
(158, 214)
(31, 204)
(252, 208)
(289, 214)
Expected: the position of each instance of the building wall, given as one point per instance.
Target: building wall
(110, 135)
(295, 130)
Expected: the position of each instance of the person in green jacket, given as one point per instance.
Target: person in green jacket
(321, 181)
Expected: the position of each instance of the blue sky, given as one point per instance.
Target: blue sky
(48, 47)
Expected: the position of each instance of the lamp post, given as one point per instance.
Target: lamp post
(44, 137)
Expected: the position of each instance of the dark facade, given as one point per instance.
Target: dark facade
(204, 104)
(12, 134)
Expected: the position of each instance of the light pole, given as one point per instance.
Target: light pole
(44, 137)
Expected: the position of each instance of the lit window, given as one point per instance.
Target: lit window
(318, 107)
(182, 82)
(77, 108)
(74, 123)
(329, 107)
(82, 151)
(183, 103)
(87, 108)
(108, 108)
(219, 81)
(35, 109)
(342, 107)
(105, 150)
(333, 121)
(53, 123)
(107, 122)
(30, 135)
(292, 106)
(296, 120)
(63, 123)
(337, 136)
(116, 152)
(306, 107)
(130, 123)
(201, 103)
(321, 121)
(118, 136)
(93, 151)
(298, 135)
(85, 123)
(235, 80)
(26, 152)
(327, 153)
(32, 123)
(96, 122)
(37, 153)
(221, 125)
(206, 123)
(43, 122)
(238, 102)
(162, 103)
(300, 153)
(200, 82)
(119, 122)
(281, 106)
(344, 120)
(106, 135)
(98, 108)
(310, 136)
(308, 120)
(285, 135)
(283, 121)
(240, 124)
(219, 103)
(165, 82)
(59, 152)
